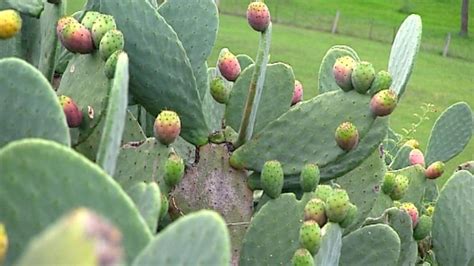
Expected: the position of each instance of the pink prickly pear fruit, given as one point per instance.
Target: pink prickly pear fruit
(228, 65)
(416, 157)
(258, 16)
(62, 22)
(342, 72)
(435, 170)
(77, 38)
(383, 102)
(297, 93)
(167, 127)
(411, 209)
(347, 136)
(71, 110)
(315, 210)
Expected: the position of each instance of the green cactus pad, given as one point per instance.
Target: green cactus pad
(275, 99)
(380, 244)
(450, 134)
(331, 244)
(244, 61)
(154, 71)
(401, 159)
(453, 223)
(33, 8)
(49, 17)
(326, 77)
(322, 114)
(400, 221)
(42, 179)
(185, 150)
(147, 198)
(111, 139)
(29, 108)
(404, 51)
(213, 111)
(199, 238)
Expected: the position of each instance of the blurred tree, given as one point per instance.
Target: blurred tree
(464, 17)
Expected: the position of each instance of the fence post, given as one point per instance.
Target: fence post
(335, 23)
(446, 45)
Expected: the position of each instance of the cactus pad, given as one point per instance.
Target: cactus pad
(147, 198)
(331, 244)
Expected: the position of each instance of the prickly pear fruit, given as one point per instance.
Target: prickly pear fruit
(323, 192)
(388, 183)
(412, 143)
(10, 23)
(309, 177)
(362, 76)
(174, 170)
(101, 25)
(71, 110)
(228, 65)
(347, 136)
(342, 72)
(167, 127)
(429, 210)
(297, 93)
(423, 227)
(89, 18)
(383, 102)
(382, 81)
(219, 91)
(111, 42)
(3, 243)
(400, 187)
(76, 38)
(435, 170)
(164, 206)
(337, 206)
(416, 157)
(411, 209)
(310, 236)
(258, 16)
(110, 64)
(272, 178)
(350, 216)
(315, 210)
(62, 22)
(302, 257)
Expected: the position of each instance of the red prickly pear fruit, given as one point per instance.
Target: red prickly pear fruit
(219, 91)
(228, 65)
(315, 210)
(77, 39)
(383, 81)
(342, 72)
(302, 257)
(174, 170)
(400, 187)
(297, 93)
(89, 18)
(258, 16)
(101, 26)
(167, 127)
(416, 157)
(10, 23)
(111, 42)
(412, 143)
(310, 236)
(71, 110)
(363, 76)
(383, 102)
(347, 136)
(435, 170)
(62, 22)
(411, 209)
(272, 178)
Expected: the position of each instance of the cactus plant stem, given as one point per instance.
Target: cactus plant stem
(255, 88)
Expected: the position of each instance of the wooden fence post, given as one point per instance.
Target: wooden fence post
(335, 23)
(446, 45)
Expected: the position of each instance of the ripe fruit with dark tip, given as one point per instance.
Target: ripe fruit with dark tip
(435, 170)
(228, 65)
(258, 16)
(71, 110)
(167, 127)
(76, 38)
(383, 102)
(342, 72)
(347, 136)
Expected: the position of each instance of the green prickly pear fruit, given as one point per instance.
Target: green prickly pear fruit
(272, 178)
(435, 170)
(412, 143)
(167, 127)
(76, 38)
(164, 206)
(363, 76)
(315, 210)
(400, 188)
(219, 91)
(323, 192)
(383, 81)
(423, 227)
(10, 23)
(111, 64)
(350, 216)
(174, 170)
(89, 18)
(310, 236)
(258, 16)
(111, 42)
(397, 204)
(3, 243)
(342, 72)
(337, 206)
(297, 93)
(101, 26)
(62, 22)
(347, 136)
(430, 210)
(388, 183)
(383, 102)
(71, 111)
(416, 157)
(411, 209)
(309, 177)
(228, 65)
(302, 257)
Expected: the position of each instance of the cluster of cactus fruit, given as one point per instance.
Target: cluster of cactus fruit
(144, 155)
